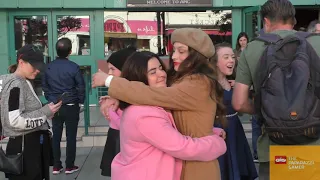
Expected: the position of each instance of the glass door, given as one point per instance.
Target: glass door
(31, 28)
(252, 21)
(44, 28)
(78, 26)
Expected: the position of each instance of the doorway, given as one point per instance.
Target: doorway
(251, 21)
(44, 28)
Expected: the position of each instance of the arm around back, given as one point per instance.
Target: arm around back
(183, 95)
(157, 129)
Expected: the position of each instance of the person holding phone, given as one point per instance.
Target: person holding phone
(63, 81)
(23, 118)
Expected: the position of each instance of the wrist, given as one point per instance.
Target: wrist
(108, 81)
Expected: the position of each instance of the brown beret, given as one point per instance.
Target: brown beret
(194, 38)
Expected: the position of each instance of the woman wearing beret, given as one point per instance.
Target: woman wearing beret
(194, 95)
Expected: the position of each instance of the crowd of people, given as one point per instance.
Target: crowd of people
(207, 86)
(177, 123)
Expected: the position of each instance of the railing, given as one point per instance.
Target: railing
(86, 76)
(102, 91)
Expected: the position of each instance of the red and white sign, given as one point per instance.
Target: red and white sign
(280, 159)
(140, 27)
(143, 28)
(112, 25)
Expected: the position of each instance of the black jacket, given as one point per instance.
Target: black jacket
(63, 75)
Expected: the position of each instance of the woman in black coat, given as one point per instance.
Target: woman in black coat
(112, 147)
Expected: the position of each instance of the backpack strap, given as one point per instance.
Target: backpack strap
(306, 35)
(268, 38)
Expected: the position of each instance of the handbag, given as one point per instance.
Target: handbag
(12, 164)
(51, 160)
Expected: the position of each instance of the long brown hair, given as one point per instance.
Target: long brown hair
(12, 68)
(198, 64)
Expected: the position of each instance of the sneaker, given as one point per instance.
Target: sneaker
(72, 170)
(57, 170)
(255, 159)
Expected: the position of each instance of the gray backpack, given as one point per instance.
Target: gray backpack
(288, 84)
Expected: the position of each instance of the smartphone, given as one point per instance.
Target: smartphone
(62, 96)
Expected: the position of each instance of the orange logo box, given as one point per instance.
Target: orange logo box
(294, 162)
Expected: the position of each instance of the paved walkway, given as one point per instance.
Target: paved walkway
(88, 158)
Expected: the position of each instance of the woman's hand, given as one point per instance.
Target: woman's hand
(223, 134)
(112, 103)
(104, 109)
(55, 107)
(232, 82)
(99, 78)
(102, 98)
(220, 132)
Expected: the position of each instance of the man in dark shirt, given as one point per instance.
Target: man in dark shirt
(64, 76)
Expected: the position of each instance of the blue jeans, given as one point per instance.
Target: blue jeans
(256, 133)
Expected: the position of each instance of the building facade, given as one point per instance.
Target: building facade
(91, 24)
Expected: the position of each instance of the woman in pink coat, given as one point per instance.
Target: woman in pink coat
(151, 146)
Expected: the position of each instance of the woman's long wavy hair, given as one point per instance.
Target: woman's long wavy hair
(198, 64)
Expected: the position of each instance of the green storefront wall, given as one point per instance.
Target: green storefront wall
(97, 7)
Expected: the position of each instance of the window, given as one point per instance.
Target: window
(77, 29)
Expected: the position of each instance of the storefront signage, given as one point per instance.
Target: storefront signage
(202, 22)
(166, 3)
(113, 26)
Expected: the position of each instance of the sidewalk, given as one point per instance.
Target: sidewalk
(88, 158)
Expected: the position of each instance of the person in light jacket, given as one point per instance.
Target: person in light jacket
(151, 145)
(24, 119)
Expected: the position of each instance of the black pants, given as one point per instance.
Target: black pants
(68, 114)
(36, 155)
(111, 149)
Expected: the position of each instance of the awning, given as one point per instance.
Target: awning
(208, 31)
(120, 35)
(108, 35)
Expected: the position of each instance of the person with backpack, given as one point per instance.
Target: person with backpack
(282, 65)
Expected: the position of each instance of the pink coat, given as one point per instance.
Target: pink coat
(114, 118)
(151, 146)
